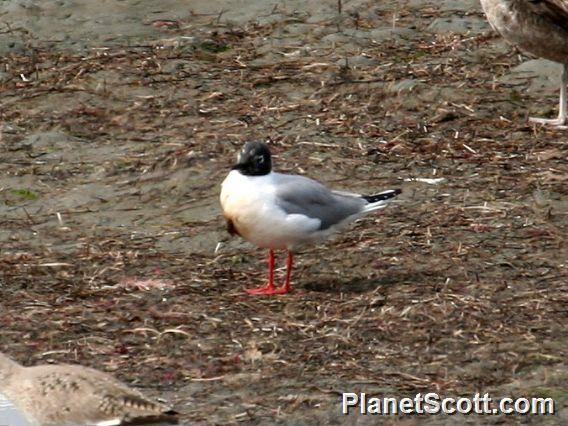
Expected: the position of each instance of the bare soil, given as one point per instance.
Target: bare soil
(109, 219)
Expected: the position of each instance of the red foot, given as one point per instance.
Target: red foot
(268, 290)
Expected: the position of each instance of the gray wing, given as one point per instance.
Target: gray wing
(555, 10)
(300, 195)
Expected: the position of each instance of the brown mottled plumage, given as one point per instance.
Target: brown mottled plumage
(539, 27)
(65, 395)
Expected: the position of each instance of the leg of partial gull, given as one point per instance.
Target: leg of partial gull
(562, 119)
(563, 113)
(269, 288)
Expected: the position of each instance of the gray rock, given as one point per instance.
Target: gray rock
(179, 41)
(10, 45)
(269, 19)
(357, 61)
(541, 74)
(336, 38)
(296, 29)
(348, 37)
(385, 34)
(469, 24)
(460, 5)
(446, 5)
(406, 85)
(52, 145)
(177, 65)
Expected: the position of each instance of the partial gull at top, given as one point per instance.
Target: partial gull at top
(539, 27)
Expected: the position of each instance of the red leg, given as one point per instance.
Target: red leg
(269, 288)
(286, 287)
(289, 263)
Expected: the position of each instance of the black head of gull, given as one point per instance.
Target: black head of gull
(254, 159)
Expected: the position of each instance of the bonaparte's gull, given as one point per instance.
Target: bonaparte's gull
(283, 211)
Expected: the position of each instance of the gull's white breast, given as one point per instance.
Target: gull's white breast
(250, 203)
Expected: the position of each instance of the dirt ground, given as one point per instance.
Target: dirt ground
(113, 252)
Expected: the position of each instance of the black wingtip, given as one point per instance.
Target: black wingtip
(383, 195)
